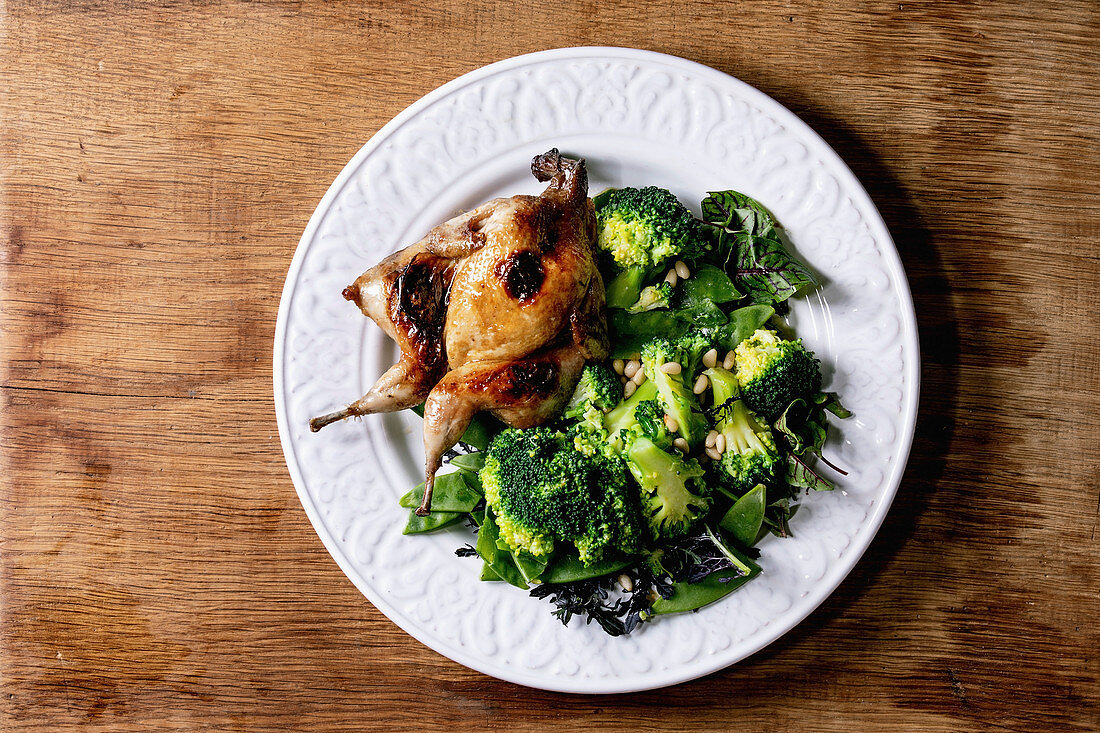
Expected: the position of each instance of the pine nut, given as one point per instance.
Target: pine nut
(720, 444)
(727, 363)
(671, 367)
(681, 444)
(630, 369)
(626, 583)
(639, 377)
(701, 384)
(710, 358)
(713, 454)
(629, 389)
(671, 278)
(711, 437)
(682, 269)
(618, 365)
(671, 424)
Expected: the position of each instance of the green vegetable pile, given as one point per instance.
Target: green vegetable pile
(673, 460)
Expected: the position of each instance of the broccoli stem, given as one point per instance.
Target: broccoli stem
(624, 288)
(736, 423)
(622, 417)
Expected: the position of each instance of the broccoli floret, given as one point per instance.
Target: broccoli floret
(542, 490)
(751, 456)
(646, 227)
(649, 422)
(673, 493)
(622, 417)
(675, 390)
(598, 387)
(773, 372)
(652, 298)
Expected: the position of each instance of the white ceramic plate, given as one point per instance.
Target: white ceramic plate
(639, 118)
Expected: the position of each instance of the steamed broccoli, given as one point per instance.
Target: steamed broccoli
(542, 490)
(622, 417)
(647, 227)
(597, 388)
(773, 372)
(641, 230)
(649, 422)
(675, 390)
(673, 493)
(652, 298)
(751, 456)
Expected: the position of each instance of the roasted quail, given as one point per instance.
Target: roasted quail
(495, 310)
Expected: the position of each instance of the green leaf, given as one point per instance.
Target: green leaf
(766, 271)
(743, 323)
(452, 493)
(435, 520)
(755, 255)
(802, 425)
(737, 212)
(831, 401)
(744, 518)
(702, 313)
(801, 476)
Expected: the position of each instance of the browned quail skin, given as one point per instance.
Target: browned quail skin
(495, 310)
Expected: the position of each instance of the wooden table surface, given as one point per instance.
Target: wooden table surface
(159, 163)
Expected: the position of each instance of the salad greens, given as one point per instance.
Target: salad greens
(673, 459)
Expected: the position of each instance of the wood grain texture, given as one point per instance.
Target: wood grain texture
(159, 163)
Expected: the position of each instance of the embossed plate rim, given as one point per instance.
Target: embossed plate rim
(859, 541)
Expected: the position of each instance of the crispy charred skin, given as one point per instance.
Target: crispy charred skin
(495, 310)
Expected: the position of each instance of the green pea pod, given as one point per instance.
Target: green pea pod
(469, 461)
(744, 518)
(499, 561)
(708, 283)
(690, 596)
(743, 323)
(487, 572)
(435, 520)
(452, 493)
(529, 566)
(567, 567)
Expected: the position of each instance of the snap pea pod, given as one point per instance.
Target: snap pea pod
(743, 322)
(567, 567)
(690, 596)
(452, 493)
(435, 520)
(707, 283)
(745, 517)
(469, 461)
(497, 560)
